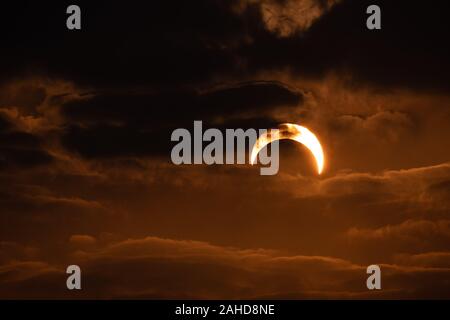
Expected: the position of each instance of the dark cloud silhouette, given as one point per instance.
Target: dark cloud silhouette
(175, 43)
(20, 149)
(130, 124)
(193, 269)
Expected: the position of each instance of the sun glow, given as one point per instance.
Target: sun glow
(291, 132)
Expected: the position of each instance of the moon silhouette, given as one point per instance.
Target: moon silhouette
(291, 132)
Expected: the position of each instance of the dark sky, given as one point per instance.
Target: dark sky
(85, 171)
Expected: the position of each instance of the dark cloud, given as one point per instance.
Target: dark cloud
(130, 124)
(193, 269)
(175, 43)
(339, 41)
(4, 124)
(20, 149)
(163, 108)
(160, 43)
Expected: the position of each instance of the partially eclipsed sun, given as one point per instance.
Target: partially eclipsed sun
(292, 132)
